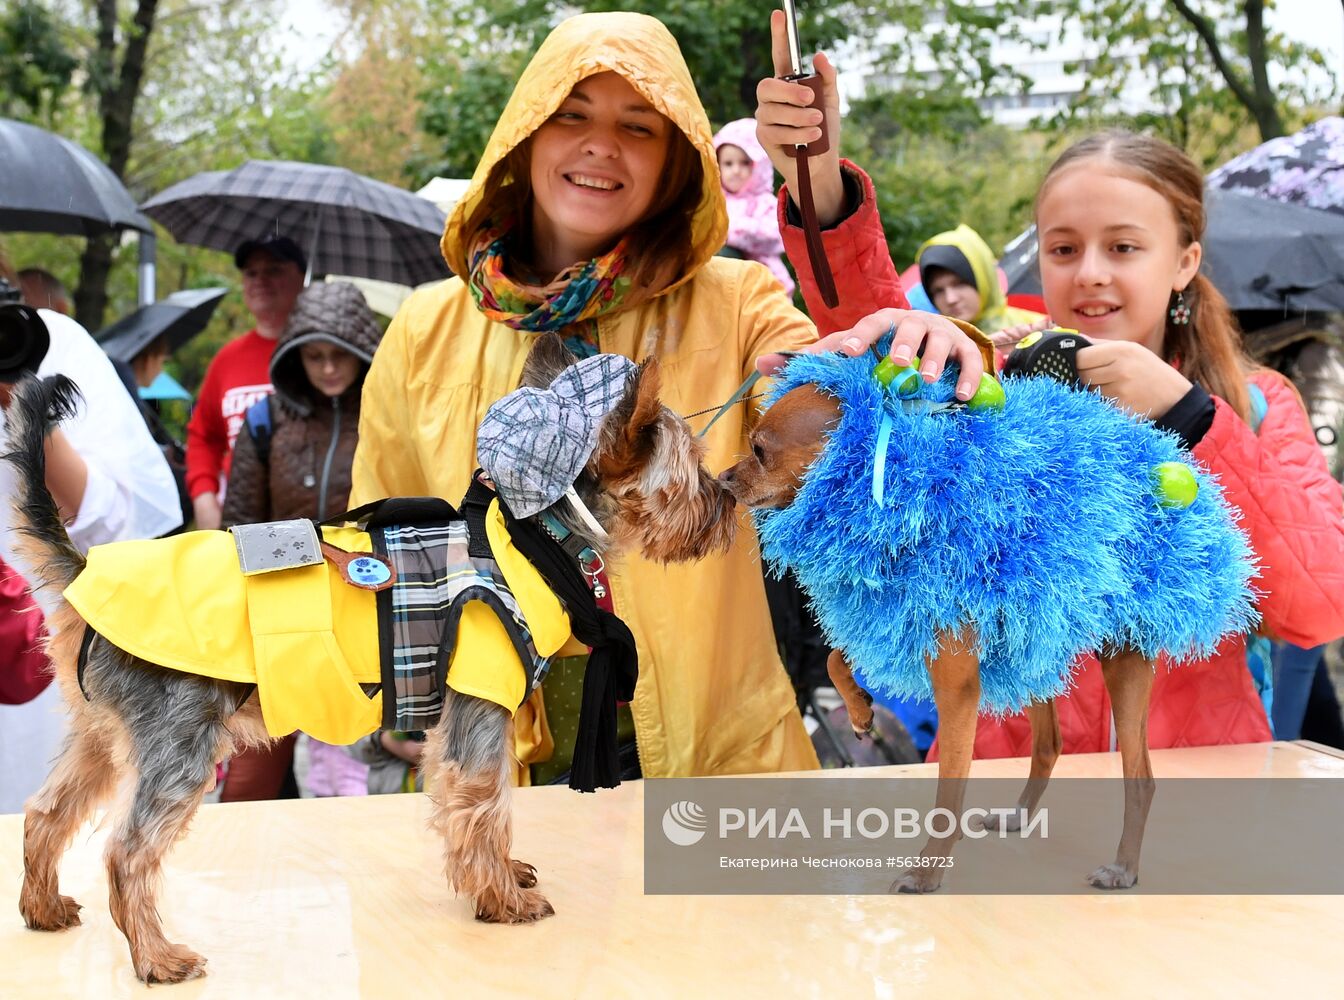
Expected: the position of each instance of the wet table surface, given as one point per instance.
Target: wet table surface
(344, 898)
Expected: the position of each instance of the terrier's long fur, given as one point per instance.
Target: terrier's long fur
(1007, 545)
(163, 731)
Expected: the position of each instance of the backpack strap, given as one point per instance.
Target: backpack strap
(1259, 651)
(1259, 405)
(258, 421)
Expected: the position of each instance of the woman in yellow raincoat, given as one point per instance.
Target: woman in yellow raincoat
(596, 211)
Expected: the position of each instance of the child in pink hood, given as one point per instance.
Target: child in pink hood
(748, 184)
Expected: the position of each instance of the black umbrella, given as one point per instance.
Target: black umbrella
(347, 223)
(179, 317)
(49, 184)
(1260, 254)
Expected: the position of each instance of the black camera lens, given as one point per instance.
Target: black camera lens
(23, 341)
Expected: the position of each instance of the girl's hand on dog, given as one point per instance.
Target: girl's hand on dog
(785, 118)
(1133, 376)
(936, 339)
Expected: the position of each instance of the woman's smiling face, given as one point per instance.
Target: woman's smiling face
(1110, 255)
(596, 166)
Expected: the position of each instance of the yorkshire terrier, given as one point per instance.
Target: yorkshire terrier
(164, 730)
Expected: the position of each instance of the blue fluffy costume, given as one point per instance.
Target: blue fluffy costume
(1037, 523)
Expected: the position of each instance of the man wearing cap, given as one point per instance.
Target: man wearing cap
(273, 271)
(960, 277)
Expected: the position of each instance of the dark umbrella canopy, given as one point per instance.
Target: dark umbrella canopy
(1260, 254)
(49, 184)
(179, 317)
(346, 223)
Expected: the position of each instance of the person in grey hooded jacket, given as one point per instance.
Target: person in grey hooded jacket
(292, 460)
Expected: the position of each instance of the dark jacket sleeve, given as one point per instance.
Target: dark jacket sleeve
(248, 499)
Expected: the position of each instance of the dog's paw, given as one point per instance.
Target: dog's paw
(1114, 876)
(525, 906)
(919, 880)
(524, 874)
(174, 963)
(56, 915)
(998, 821)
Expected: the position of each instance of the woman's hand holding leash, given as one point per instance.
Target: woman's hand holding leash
(785, 118)
(936, 339)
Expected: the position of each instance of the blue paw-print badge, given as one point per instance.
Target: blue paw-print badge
(368, 572)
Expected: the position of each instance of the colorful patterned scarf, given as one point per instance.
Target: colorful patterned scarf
(578, 295)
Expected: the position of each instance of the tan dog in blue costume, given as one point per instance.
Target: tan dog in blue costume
(164, 680)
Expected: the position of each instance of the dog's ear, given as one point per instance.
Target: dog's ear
(640, 406)
(547, 359)
(631, 424)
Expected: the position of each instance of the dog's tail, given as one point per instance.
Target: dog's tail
(35, 408)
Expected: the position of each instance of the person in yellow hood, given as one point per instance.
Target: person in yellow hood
(596, 211)
(960, 275)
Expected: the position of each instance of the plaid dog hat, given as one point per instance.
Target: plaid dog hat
(534, 443)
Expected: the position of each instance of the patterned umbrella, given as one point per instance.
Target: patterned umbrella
(49, 184)
(1306, 168)
(349, 224)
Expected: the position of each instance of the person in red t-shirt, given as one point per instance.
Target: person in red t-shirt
(273, 272)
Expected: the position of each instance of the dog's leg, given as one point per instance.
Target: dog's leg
(858, 702)
(467, 760)
(1046, 745)
(84, 776)
(956, 691)
(1129, 681)
(177, 727)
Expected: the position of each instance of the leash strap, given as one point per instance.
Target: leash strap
(816, 249)
(733, 400)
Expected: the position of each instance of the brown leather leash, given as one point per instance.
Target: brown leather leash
(816, 249)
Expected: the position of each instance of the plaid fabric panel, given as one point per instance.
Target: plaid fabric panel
(434, 570)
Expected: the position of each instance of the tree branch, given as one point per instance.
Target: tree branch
(119, 114)
(1260, 102)
(1266, 110)
(1204, 27)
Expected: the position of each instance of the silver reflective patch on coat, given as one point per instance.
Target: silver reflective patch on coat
(276, 545)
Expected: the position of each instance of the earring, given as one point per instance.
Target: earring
(1180, 312)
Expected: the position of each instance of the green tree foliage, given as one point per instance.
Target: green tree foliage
(928, 182)
(39, 65)
(1214, 65)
